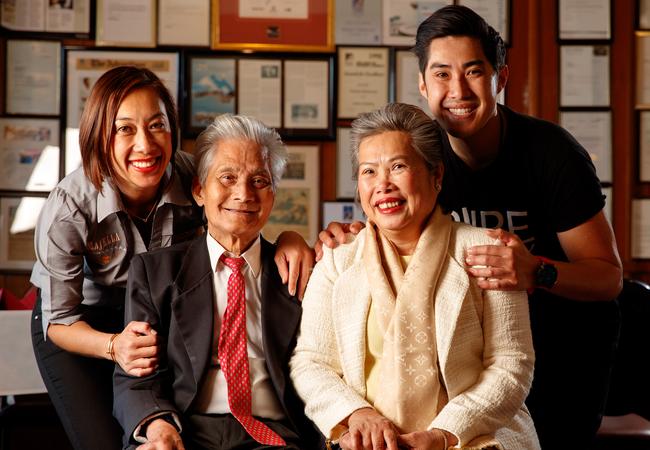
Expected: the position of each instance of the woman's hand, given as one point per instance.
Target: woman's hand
(162, 435)
(334, 235)
(427, 440)
(295, 260)
(369, 430)
(136, 349)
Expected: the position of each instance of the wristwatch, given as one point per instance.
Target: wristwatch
(546, 273)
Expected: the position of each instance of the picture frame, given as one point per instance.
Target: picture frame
(126, 23)
(593, 130)
(211, 89)
(363, 80)
(184, 22)
(47, 16)
(585, 20)
(259, 92)
(29, 154)
(400, 19)
(643, 22)
(642, 92)
(32, 75)
(18, 216)
(84, 66)
(346, 187)
(407, 80)
(307, 98)
(495, 12)
(342, 212)
(585, 75)
(357, 22)
(273, 25)
(644, 146)
(640, 232)
(297, 197)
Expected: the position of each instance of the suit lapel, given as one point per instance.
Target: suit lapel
(193, 306)
(280, 320)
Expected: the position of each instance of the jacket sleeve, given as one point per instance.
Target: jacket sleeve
(315, 366)
(136, 398)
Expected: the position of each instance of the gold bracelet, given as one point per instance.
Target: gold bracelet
(109, 348)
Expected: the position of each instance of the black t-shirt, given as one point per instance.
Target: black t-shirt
(542, 182)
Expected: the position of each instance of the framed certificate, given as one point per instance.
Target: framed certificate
(259, 92)
(346, 186)
(362, 80)
(307, 87)
(273, 25)
(29, 154)
(50, 16)
(407, 80)
(400, 19)
(644, 146)
(84, 67)
(358, 22)
(297, 198)
(593, 130)
(18, 216)
(643, 69)
(585, 19)
(212, 89)
(584, 75)
(184, 22)
(32, 75)
(495, 12)
(126, 23)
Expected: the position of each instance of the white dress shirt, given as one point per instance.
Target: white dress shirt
(213, 394)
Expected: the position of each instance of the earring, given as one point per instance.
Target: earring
(438, 187)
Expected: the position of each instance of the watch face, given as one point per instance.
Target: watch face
(546, 275)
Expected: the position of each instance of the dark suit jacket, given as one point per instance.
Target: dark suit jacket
(173, 289)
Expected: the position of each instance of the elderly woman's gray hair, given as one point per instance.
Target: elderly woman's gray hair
(424, 132)
(230, 126)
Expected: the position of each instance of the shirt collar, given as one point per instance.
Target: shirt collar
(252, 256)
(109, 200)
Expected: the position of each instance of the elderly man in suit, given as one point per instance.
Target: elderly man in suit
(229, 322)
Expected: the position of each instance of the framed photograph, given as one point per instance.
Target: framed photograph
(18, 216)
(362, 80)
(407, 89)
(307, 96)
(346, 187)
(584, 75)
(644, 146)
(400, 19)
(273, 25)
(213, 90)
(259, 92)
(358, 22)
(51, 16)
(84, 67)
(593, 130)
(126, 23)
(585, 19)
(343, 212)
(644, 14)
(495, 12)
(184, 22)
(643, 69)
(297, 197)
(32, 76)
(29, 154)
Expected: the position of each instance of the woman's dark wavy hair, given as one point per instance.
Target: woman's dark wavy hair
(456, 20)
(97, 124)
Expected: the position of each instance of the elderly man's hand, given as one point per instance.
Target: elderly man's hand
(334, 235)
(369, 430)
(295, 260)
(508, 267)
(162, 435)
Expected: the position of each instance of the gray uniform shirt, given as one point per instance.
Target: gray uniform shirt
(85, 240)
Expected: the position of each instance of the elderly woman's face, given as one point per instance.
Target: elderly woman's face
(396, 189)
(142, 144)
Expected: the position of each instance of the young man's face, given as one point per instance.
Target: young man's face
(461, 85)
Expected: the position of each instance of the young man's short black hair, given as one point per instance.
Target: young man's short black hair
(456, 20)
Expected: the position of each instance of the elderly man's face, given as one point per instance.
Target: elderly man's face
(237, 195)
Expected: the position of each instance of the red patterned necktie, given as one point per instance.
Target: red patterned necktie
(233, 357)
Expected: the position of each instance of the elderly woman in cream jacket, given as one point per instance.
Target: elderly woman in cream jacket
(398, 347)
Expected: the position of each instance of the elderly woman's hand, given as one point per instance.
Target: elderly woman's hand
(369, 430)
(427, 440)
(136, 349)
